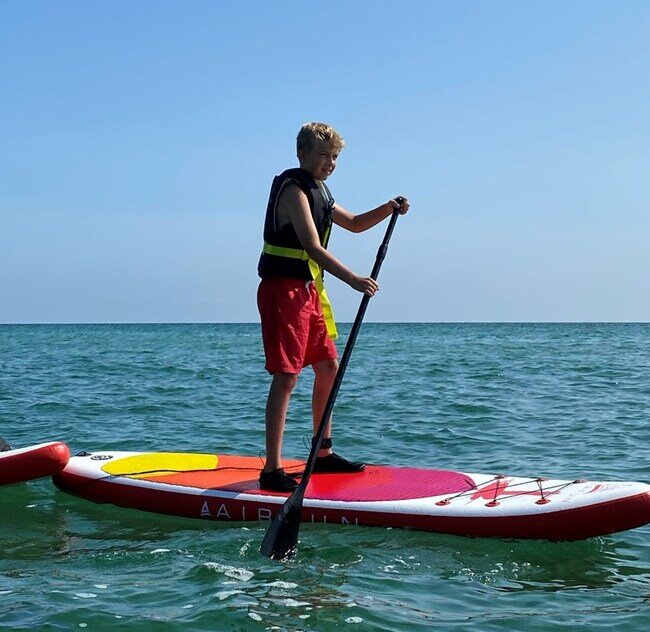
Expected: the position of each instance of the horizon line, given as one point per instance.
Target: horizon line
(369, 322)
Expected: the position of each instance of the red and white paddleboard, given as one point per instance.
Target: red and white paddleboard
(223, 487)
(35, 461)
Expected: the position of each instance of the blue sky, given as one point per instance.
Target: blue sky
(139, 140)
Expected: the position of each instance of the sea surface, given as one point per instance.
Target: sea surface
(556, 400)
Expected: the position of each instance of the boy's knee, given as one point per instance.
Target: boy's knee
(326, 369)
(285, 381)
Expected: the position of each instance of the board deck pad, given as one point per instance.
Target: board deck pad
(150, 465)
(240, 474)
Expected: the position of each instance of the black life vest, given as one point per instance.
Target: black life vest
(320, 203)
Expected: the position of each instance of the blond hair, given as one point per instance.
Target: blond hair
(312, 133)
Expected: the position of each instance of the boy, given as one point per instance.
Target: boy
(297, 323)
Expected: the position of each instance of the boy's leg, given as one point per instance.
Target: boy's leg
(324, 374)
(276, 414)
(328, 460)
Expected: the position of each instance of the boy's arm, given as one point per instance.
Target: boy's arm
(294, 205)
(364, 221)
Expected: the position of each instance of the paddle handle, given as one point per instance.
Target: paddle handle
(343, 365)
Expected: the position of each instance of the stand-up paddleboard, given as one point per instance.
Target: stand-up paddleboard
(224, 487)
(35, 461)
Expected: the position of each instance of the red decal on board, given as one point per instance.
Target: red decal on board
(497, 489)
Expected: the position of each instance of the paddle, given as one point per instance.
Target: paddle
(281, 538)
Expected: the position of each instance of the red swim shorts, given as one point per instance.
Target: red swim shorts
(293, 328)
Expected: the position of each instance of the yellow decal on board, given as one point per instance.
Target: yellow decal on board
(160, 463)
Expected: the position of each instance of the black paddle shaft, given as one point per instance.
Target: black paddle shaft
(354, 332)
(281, 537)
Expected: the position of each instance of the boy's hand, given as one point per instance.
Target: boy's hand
(399, 202)
(364, 284)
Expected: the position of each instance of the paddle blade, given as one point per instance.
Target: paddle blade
(281, 538)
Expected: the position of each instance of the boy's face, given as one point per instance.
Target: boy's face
(320, 161)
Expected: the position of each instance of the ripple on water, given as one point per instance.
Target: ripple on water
(240, 574)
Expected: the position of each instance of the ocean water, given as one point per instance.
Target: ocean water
(557, 400)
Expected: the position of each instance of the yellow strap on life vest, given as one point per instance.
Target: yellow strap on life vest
(316, 275)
